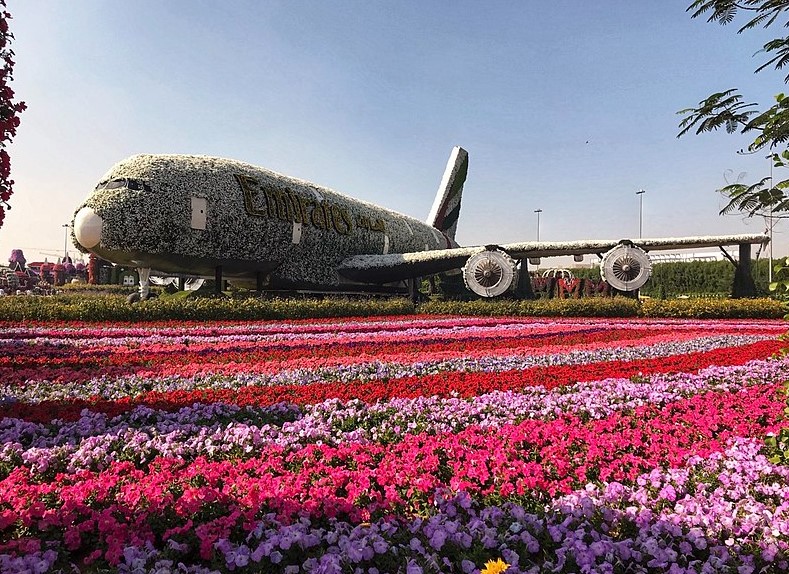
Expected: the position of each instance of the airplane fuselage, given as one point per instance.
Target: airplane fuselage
(212, 217)
(190, 214)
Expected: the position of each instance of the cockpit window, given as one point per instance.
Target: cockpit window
(133, 184)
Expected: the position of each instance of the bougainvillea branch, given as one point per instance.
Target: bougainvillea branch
(9, 110)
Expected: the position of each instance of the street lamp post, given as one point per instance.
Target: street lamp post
(538, 212)
(640, 193)
(65, 242)
(770, 225)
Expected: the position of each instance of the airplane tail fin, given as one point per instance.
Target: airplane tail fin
(446, 207)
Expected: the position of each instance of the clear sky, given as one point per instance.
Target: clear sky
(565, 106)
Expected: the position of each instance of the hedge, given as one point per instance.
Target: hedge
(116, 308)
(692, 277)
(711, 308)
(714, 308)
(588, 307)
(74, 307)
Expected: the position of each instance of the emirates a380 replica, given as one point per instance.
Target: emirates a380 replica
(204, 216)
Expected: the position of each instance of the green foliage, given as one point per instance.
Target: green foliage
(108, 289)
(724, 109)
(115, 308)
(727, 109)
(612, 307)
(763, 12)
(780, 286)
(98, 308)
(589, 307)
(668, 280)
(706, 278)
(692, 278)
(707, 308)
(777, 447)
(592, 273)
(453, 287)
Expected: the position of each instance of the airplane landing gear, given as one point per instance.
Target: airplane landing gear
(145, 286)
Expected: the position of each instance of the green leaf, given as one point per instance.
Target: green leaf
(722, 109)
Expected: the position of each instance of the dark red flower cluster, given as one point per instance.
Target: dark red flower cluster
(9, 110)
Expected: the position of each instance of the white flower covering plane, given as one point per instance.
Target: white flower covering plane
(204, 216)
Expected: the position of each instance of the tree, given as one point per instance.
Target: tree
(728, 110)
(9, 110)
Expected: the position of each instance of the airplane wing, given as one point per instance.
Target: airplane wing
(399, 266)
(544, 249)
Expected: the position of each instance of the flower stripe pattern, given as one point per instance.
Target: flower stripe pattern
(554, 446)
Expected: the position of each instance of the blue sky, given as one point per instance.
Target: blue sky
(565, 106)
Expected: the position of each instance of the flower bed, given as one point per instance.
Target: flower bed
(408, 444)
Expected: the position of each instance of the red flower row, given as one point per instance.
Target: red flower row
(466, 384)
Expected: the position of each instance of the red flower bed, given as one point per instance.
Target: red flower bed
(441, 384)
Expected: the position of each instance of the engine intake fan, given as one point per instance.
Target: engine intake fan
(490, 273)
(626, 267)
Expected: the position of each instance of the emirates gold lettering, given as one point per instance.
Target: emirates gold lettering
(341, 221)
(287, 205)
(301, 204)
(318, 217)
(251, 193)
(364, 222)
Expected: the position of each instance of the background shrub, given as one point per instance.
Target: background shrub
(107, 307)
(692, 278)
(714, 308)
(585, 307)
(116, 308)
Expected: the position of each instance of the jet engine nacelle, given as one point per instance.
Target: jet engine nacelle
(626, 267)
(493, 272)
(490, 273)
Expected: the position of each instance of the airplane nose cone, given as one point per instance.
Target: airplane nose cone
(87, 228)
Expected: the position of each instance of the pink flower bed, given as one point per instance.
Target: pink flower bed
(465, 440)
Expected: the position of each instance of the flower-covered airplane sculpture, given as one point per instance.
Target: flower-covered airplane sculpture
(205, 216)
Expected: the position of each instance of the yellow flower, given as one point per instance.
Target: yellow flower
(496, 566)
